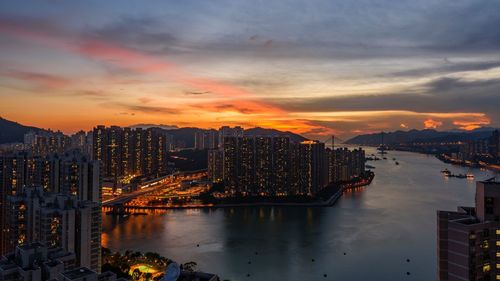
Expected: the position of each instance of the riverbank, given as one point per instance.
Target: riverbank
(327, 197)
(446, 159)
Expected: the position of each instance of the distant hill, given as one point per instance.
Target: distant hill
(427, 135)
(11, 131)
(186, 135)
(258, 131)
(14, 132)
(161, 126)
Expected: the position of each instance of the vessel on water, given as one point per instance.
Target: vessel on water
(446, 172)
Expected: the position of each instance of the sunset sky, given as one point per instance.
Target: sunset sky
(312, 67)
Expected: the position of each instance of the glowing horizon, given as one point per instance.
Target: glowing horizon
(75, 73)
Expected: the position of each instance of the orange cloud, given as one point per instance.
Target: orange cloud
(471, 125)
(432, 124)
(131, 60)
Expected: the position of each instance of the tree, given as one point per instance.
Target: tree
(189, 266)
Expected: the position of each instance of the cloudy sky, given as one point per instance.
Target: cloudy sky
(314, 67)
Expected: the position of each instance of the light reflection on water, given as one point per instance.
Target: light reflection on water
(377, 227)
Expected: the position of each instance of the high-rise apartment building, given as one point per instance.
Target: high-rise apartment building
(247, 165)
(70, 173)
(124, 151)
(46, 142)
(271, 165)
(230, 162)
(206, 139)
(312, 167)
(56, 220)
(277, 166)
(214, 168)
(281, 170)
(345, 164)
(468, 240)
(226, 131)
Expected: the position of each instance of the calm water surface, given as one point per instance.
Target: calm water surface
(377, 227)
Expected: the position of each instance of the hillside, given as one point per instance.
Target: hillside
(186, 135)
(11, 131)
(258, 131)
(399, 137)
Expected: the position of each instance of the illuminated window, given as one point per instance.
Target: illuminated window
(498, 277)
(485, 244)
(486, 267)
(498, 243)
(497, 231)
(498, 254)
(498, 265)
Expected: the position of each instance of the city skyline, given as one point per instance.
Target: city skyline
(340, 68)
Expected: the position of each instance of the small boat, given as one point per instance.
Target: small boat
(470, 176)
(369, 167)
(394, 159)
(397, 163)
(385, 158)
(446, 172)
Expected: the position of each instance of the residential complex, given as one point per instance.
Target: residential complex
(124, 152)
(55, 220)
(70, 174)
(275, 165)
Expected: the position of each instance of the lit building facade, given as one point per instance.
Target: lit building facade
(312, 167)
(271, 165)
(71, 174)
(345, 164)
(468, 240)
(214, 168)
(124, 151)
(56, 220)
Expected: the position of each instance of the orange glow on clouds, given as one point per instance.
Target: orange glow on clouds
(471, 125)
(432, 124)
(226, 104)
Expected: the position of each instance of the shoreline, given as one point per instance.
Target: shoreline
(324, 203)
(443, 159)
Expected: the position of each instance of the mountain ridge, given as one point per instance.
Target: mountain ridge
(425, 135)
(12, 132)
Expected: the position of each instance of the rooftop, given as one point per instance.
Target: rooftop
(78, 273)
